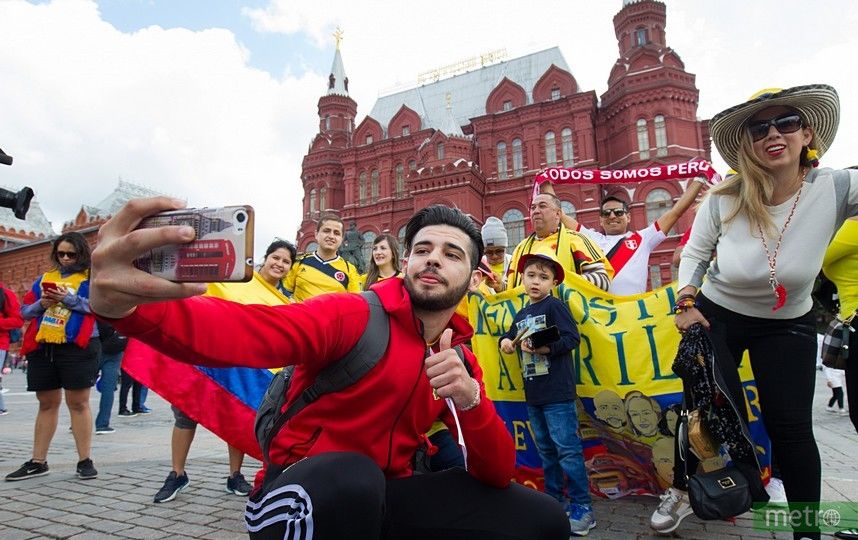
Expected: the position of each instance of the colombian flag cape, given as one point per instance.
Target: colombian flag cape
(224, 400)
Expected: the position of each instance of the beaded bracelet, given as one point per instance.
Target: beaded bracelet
(476, 401)
(684, 304)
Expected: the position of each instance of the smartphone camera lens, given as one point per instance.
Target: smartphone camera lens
(240, 217)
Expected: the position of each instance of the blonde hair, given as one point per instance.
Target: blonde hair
(753, 185)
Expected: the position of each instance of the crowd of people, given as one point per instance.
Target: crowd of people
(745, 274)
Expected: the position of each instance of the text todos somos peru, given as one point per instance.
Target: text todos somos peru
(694, 168)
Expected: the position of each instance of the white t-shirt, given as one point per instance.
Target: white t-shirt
(631, 277)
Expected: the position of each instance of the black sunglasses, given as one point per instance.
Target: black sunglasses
(787, 123)
(66, 255)
(619, 212)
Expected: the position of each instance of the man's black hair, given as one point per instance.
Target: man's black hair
(329, 216)
(444, 215)
(613, 198)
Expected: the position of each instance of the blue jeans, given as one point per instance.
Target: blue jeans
(555, 427)
(109, 366)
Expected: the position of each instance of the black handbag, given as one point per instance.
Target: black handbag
(719, 494)
(835, 344)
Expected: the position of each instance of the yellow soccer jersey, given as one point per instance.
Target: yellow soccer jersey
(575, 252)
(311, 276)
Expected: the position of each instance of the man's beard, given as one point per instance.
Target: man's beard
(449, 299)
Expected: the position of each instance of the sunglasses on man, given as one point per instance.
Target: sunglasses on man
(618, 212)
(786, 123)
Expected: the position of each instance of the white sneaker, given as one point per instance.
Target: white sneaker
(775, 489)
(844, 412)
(674, 507)
(830, 409)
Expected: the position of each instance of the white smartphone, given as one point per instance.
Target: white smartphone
(221, 251)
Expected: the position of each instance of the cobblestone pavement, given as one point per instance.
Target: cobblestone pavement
(133, 463)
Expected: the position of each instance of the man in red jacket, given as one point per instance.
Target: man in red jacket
(347, 456)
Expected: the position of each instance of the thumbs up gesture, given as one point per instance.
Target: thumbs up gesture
(448, 376)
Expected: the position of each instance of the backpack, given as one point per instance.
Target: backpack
(341, 374)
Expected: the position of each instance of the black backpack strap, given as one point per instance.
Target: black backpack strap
(346, 371)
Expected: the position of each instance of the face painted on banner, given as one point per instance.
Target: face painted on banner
(610, 410)
(643, 412)
(662, 460)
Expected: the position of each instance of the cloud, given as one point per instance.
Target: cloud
(174, 110)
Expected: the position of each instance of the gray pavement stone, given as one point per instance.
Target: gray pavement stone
(142, 533)
(92, 535)
(10, 533)
(56, 530)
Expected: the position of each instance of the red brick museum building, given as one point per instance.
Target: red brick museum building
(475, 140)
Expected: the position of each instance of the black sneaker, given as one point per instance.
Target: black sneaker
(237, 485)
(127, 414)
(85, 470)
(30, 469)
(172, 486)
(104, 430)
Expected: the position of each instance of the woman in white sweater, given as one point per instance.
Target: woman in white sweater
(769, 226)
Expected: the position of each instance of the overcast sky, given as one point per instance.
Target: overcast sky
(215, 100)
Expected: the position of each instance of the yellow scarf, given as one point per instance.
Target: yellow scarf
(53, 326)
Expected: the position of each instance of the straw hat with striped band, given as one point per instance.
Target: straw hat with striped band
(818, 105)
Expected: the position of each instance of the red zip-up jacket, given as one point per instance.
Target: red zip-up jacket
(383, 416)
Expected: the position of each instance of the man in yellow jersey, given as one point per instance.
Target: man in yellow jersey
(575, 252)
(323, 271)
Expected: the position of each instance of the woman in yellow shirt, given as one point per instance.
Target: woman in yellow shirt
(841, 267)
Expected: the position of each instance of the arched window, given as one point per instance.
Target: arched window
(517, 158)
(660, 136)
(362, 188)
(366, 249)
(312, 201)
(640, 37)
(513, 221)
(327, 121)
(399, 174)
(658, 201)
(550, 149)
(569, 209)
(412, 165)
(323, 199)
(439, 150)
(401, 237)
(502, 172)
(568, 149)
(643, 139)
(374, 185)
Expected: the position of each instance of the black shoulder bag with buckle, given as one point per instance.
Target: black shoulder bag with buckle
(719, 494)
